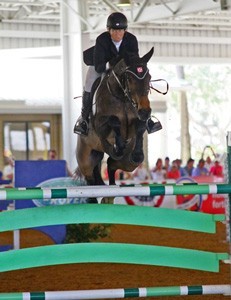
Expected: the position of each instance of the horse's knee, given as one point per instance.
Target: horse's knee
(140, 127)
(144, 114)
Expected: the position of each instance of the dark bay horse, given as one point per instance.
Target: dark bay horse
(118, 122)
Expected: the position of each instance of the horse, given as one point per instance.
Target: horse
(118, 121)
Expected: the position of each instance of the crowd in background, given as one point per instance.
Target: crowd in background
(167, 169)
(174, 170)
(163, 169)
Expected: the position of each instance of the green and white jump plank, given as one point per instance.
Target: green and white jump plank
(110, 253)
(108, 214)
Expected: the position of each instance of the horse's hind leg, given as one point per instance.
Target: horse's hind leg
(89, 164)
(96, 178)
(111, 171)
(97, 175)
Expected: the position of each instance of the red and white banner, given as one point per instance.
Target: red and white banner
(214, 204)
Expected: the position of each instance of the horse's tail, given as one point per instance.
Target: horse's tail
(77, 174)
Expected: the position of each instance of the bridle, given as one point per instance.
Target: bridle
(124, 86)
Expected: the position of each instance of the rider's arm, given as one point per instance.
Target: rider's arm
(100, 55)
(129, 44)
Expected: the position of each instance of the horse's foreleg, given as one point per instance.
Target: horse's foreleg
(119, 146)
(137, 155)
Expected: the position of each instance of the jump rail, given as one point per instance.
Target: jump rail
(224, 289)
(113, 191)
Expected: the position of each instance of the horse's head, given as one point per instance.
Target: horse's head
(136, 82)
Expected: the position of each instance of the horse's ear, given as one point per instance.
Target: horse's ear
(148, 55)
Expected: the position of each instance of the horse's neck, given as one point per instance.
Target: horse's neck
(114, 84)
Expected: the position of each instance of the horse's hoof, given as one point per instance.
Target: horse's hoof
(118, 152)
(137, 158)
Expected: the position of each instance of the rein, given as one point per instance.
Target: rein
(156, 80)
(125, 89)
(120, 84)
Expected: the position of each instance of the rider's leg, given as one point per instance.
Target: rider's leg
(153, 126)
(81, 126)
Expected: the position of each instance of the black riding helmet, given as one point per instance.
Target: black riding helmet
(117, 20)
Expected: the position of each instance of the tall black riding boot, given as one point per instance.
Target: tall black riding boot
(82, 126)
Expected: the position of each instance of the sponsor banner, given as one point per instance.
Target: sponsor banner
(56, 183)
(214, 204)
(32, 174)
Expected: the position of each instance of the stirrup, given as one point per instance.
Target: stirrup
(81, 127)
(153, 126)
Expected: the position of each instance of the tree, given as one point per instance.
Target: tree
(85, 233)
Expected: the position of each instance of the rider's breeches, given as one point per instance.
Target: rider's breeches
(91, 76)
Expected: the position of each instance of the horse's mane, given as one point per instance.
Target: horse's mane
(132, 59)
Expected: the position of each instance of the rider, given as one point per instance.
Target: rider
(110, 45)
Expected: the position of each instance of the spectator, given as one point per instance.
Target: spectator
(208, 163)
(180, 168)
(8, 170)
(4, 182)
(52, 154)
(189, 167)
(167, 166)
(200, 170)
(174, 172)
(216, 169)
(158, 173)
